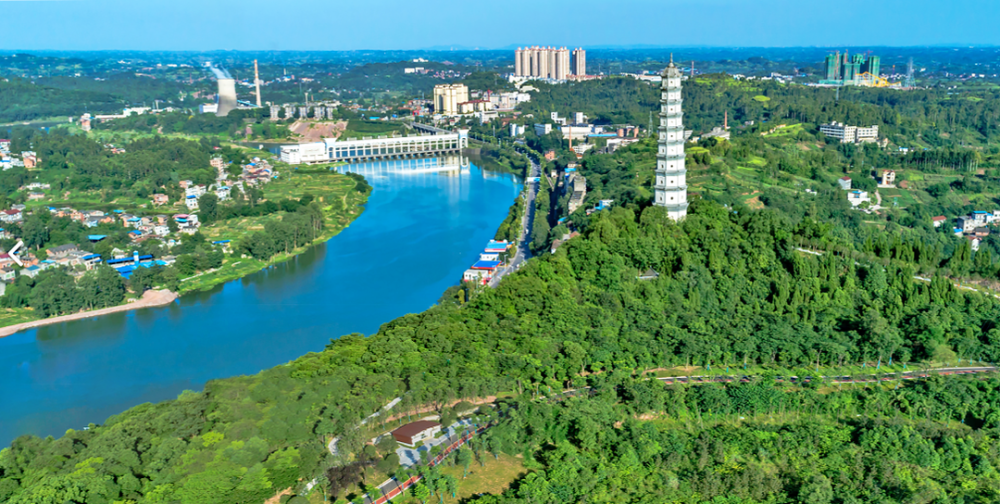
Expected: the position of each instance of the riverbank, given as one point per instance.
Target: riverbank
(68, 375)
(150, 299)
(351, 204)
(341, 203)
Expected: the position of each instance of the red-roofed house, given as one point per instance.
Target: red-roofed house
(415, 432)
(10, 216)
(939, 220)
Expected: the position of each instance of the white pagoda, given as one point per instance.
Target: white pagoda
(671, 176)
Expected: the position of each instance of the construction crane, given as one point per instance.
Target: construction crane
(869, 80)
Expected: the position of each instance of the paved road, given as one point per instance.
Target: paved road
(866, 376)
(523, 250)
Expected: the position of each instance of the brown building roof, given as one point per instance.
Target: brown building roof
(412, 429)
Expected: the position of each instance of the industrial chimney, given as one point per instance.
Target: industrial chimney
(227, 97)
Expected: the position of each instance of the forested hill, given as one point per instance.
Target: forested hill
(935, 117)
(732, 289)
(22, 100)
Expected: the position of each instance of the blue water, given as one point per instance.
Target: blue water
(420, 230)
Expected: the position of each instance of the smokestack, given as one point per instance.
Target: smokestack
(256, 81)
(227, 97)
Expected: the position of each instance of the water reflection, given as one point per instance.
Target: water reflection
(436, 213)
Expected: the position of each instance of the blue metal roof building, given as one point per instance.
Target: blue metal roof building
(127, 260)
(486, 265)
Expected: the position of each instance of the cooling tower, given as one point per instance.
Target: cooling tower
(227, 97)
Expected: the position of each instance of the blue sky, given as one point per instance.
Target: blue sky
(417, 24)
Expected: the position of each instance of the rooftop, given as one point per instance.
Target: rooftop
(414, 428)
(486, 265)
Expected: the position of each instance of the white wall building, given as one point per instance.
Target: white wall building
(856, 197)
(313, 152)
(849, 134)
(332, 149)
(195, 190)
(508, 101)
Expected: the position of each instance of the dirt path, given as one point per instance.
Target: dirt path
(478, 401)
(149, 299)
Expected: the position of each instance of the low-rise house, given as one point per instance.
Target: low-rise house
(160, 199)
(416, 432)
(222, 193)
(63, 250)
(30, 159)
(974, 242)
(35, 196)
(888, 178)
(939, 220)
(185, 183)
(856, 197)
(845, 183)
(189, 229)
(195, 190)
(10, 216)
(478, 276)
(981, 232)
(191, 202)
(982, 218)
(650, 274)
(497, 246)
(967, 223)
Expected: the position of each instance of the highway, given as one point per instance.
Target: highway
(523, 250)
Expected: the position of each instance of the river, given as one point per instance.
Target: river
(420, 230)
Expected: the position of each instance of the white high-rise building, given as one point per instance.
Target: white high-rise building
(447, 97)
(579, 61)
(671, 175)
(542, 62)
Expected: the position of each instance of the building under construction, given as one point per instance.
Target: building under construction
(857, 70)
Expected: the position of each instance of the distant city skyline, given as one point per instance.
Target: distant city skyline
(403, 25)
